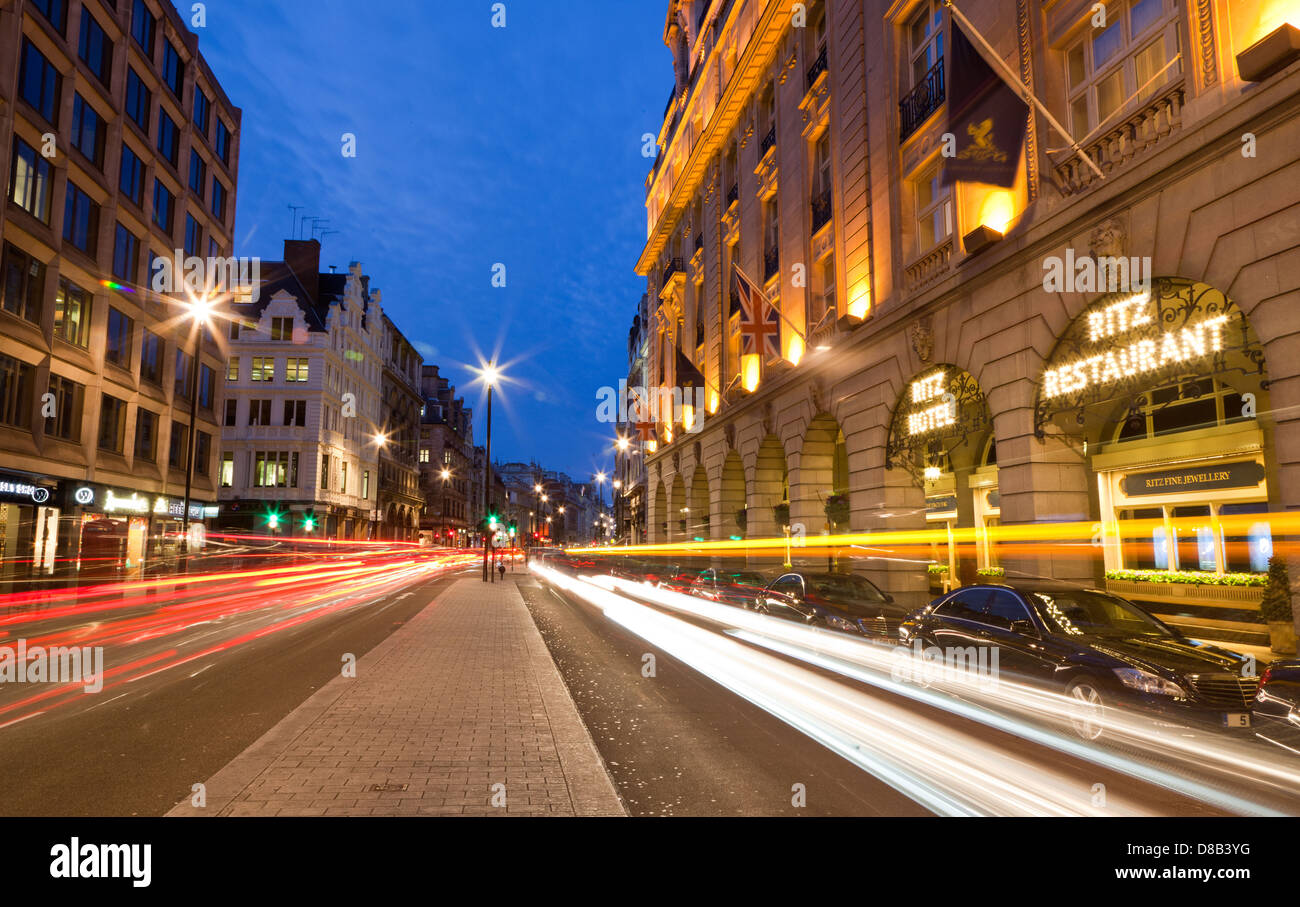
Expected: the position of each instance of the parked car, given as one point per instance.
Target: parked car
(1101, 650)
(728, 587)
(840, 601)
(1277, 705)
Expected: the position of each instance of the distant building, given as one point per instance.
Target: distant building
(400, 498)
(303, 405)
(446, 460)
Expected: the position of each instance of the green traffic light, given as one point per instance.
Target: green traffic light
(308, 523)
(273, 520)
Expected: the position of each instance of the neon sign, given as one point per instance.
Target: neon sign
(940, 415)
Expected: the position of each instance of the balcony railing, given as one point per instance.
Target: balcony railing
(699, 241)
(769, 139)
(1148, 125)
(821, 210)
(921, 101)
(771, 263)
(818, 67)
(733, 194)
(673, 266)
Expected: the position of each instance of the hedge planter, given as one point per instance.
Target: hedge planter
(1275, 608)
(742, 520)
(837, 509)
(781, 513)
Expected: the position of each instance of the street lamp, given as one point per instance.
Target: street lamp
(491, 376)
(200, 310)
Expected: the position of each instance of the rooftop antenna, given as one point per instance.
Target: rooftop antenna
(325, 233)
(320, 224)
(295, 209)
(313, 224)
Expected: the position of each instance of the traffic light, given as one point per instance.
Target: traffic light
(308, 523)
(492, 520)
(514, 528)
(272, 519)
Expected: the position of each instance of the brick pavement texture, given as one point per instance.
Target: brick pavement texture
(462, 698)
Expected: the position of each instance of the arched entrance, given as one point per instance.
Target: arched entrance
(942, 435)
(821, 484)
(677, 508)
(1160, 393)
(659, 528)
(697, 515)
(735, 518)
(768, 512)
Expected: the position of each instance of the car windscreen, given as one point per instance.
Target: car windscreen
(1084, 613)
(845, 591)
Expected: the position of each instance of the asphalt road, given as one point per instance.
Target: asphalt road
(137, 749)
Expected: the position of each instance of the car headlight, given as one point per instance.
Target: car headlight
(1146, 682)
(840, 622)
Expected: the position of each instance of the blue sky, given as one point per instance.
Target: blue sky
(475, 145)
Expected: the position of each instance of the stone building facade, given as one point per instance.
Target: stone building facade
(446, 460)
(400, 500)
(944, 379)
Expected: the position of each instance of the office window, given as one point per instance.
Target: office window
(207, 386)
(1126, 61)
(94, 47)
(925, 39)
(88, 131)
(68, 395)
(424, 455)
(202, 452)
(151, 358)
(343, 478)
(325, 472)
(295, 369)
(146, 435)
(365, 481)
(126, 254)
(117, 348)
(55, 12)
(16, 383)
(177, 448)
(232, 412)
(112, 423)
(222, 143)
(143, 27)
(295, 412)
(227, 470)
(259, 412)
(232, 368)
(193, 235)
(173, 69)
(198, 172)
(933, 209)
(218, 200)
(138, 100)
(184, 379)
(72, 314)
(39, 83)
(202, 107)
(275, 469)
(263, 369)
(80, 220)
(169, 137)
(281, 328)
(131, 179)
(164, 205)
(31, 181)
(24, 284)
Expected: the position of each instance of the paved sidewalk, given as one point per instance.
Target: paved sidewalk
(462, 698)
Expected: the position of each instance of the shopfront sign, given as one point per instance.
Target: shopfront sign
(135, 503)
(175, 508)
(22, 491)
(1242, 474)
(1128, 344)
(944, 504)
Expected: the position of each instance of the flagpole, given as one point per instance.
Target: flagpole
(991, 56)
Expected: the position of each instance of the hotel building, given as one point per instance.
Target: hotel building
(947, 359)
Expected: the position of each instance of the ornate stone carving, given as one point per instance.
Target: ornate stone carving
(1205, 17)
(729, 432)
(817, 396)
(769, 418)
(677, 461)
(1108, 239)
(922, 333)
(1027, 76)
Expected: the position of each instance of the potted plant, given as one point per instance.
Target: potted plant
(781, 513)
(1275, 608)
(742, 519)
(681, 524)
(837, 509)
(936, 573)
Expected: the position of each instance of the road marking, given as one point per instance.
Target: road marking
(201, 670)
(24, 718)
(105, 702)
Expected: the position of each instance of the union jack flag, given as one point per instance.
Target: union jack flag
(760, 322)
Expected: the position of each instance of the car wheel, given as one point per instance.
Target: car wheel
(1087, 707)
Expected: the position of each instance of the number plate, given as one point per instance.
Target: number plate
(1237, 719)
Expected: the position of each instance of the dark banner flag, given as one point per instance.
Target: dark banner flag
(986, 115)
(687, 374)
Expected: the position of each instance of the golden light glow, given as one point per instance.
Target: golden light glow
(932, 473)
(860, 300)
(668, 433)
(998, 210)
(749, 371)
(621, 443)
(1270, 15)
(688, 417)
(652, 445)
(795, 353)
(714, 400)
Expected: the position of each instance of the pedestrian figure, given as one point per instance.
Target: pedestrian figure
(501, 568)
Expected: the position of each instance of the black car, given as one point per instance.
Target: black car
(840, 601)
(1277, 705)
(728, 587)
(1098, 648)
